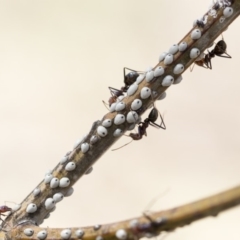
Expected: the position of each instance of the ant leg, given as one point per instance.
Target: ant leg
(129, 69)
(147, 217)
(192, 67)
(227, 55)
(123, 145)
(210, 64)
(162, 124)
(207, 60)
(111, 89)
(106, 105)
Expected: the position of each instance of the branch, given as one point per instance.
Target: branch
(57, 184)
(143, 226)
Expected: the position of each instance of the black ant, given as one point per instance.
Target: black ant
(142, 126)
(115, 94)
(218, 50)
(200, 23)
(151, 227)
(4, 209)
(150, 120)
(129, 79)
(216, 6)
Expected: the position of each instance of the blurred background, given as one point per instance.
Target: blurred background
(57, 59)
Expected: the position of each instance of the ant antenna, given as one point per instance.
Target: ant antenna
(122, 145)
(154, 200)
(129, 69)
(105, 105)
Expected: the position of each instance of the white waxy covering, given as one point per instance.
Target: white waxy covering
(121, 234)
(42, 234)
(64, 159)
(194, 53)
(79, 233)
(93, 139)
(140, 78)
(227, 12)
(48, 178)
(36, 191)
(145, 93)
(84, 147)
(179, 68)
(120, 98)
(102, 131)
(64, 182)
(132, 117)
(132, 89)
(120, 106)
(28, 232)
(54, 182)
(162, 56)
(196, 34)
(158, 71)
(31, 208)
(66, 233)
(149, 76)
(168, 59)
(173, 49)
(167, 81)
(57, 197)
(119, 119)
(83, 138)
(182, 46)
(118, 132)
(136, 104)
(107, 123)
(70, 166)
(112, 107)
(49, 203)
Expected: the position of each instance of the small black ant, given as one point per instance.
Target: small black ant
(142, 126)
(150, 120)
(129, 79)
(4, 209)
(151, 227)
(218, 50)
(216, 6)
(200, 23)
(115, 94)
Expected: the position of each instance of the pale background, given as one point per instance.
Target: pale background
(57, 59)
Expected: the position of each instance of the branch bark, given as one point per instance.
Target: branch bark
(84, 160)
(152, 225)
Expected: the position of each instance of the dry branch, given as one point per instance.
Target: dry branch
(142, 226)
(37, 200)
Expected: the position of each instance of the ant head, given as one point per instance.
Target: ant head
(130, 78)
(5, 209)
